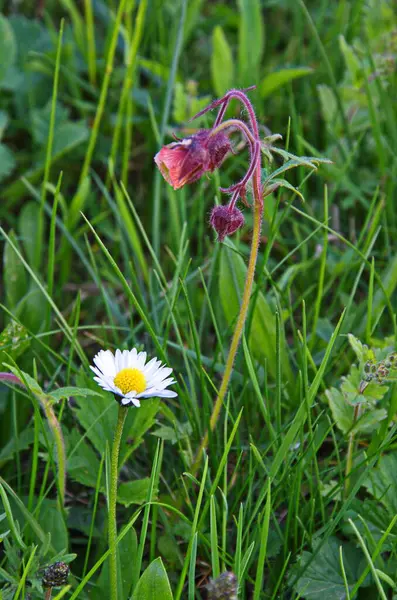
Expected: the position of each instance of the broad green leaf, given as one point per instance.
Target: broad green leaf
(126, 550)
(323, 577)
(25, 439)
(275, 80)
(98, 417)
(14, 340)
(27, 228)
(52, 522)
(8, 47)
(31, 309)
(262, 340)
(14, 273)
(133, 492)
(83, 465)
(251, 41)
(67, 392)
(154, 584)
(382, 483)
(342, 412)
(369, 422)
(7, 162)
(142, 420)
(222, 67)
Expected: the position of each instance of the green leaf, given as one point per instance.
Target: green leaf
(127, 551)
(134, 492)
(83, 465)
(67, 392)
(98, 417)
(7, 162)
(275, 80)
(323, 577)
(369, 422)
(14, 273)
(251, 41)
(382, 483)
(52, 522)
(23, 442)
(27, 228)
(8, 47)
(222, 67)
(351, 60)
(262, 339)
(32, 384)
(154, 584)
(342, 412)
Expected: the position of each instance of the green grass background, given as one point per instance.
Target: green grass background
(99, 252)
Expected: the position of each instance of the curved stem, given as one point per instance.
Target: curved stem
(258, 210)
(112, 527)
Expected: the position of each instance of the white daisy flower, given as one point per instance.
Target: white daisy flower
(126, 374)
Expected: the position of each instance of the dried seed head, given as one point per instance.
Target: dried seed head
(226, 220)
(224, 587)
(56, 575)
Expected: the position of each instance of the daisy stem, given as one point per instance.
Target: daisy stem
(112, 527)
(258, 211)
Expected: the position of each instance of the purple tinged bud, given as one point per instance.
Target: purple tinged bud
(226, 220)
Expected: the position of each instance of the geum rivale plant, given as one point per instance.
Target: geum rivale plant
(186, 160)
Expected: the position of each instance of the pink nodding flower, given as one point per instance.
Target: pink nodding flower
(185, 161)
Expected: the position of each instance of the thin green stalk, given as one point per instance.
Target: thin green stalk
(350, 453)
(40, 228)
(90, 34)
(258, 211)
(78, 200)
(113, 501)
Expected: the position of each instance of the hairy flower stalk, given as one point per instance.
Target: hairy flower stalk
(56, 431)
(227, 221)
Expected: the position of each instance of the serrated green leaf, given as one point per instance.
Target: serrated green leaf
(67, 392)
(382, 483)
(134, 492)
(26, 379)
(14, 274)
(24, 441)
(323, 577)
(8, 47)
(342, 412)
(369, 421)
(276, 183)
(154, 584)
(275, 80)
(222, 66)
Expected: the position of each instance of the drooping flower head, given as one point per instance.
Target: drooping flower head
(127, 374)
(185, 161)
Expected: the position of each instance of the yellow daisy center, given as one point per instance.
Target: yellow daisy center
(129, 380)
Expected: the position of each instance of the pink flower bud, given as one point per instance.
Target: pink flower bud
(226, 220)
(187, 160)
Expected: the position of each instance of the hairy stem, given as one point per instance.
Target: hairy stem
(113, 502)
(48, 594)
(55, 430)
(258, 210)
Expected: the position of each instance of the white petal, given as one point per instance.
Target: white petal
(152, 393)
(130, 401)
(141, 360)
(151, 366)
(160, 375)
(104, 360)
